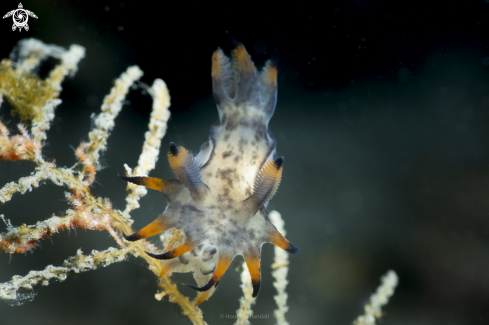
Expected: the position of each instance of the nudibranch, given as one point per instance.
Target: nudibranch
(219, 197)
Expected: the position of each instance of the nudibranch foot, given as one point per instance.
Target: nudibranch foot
(187, 246)
(221, 268)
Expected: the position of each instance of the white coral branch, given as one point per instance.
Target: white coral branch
(245, 302)
(42, 124)
(151, 147)
(104, 122)
(59, 176)
(76, 264)
(378, 299)
(281, 268)
(68, 66)
(89, 212)
(30, 53)
(157, 127)
(244, 312)
(23, 185)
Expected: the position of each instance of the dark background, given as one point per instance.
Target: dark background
(382, 116)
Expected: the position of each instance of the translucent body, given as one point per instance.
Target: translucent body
(219, 197)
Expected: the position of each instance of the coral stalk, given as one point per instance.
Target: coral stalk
(34, 100)
(151, 147)
(245, 302)
(281, 268)
(104, 122)
(76, 264)
(380, 298)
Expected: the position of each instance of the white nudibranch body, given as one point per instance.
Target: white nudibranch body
(218, 199)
